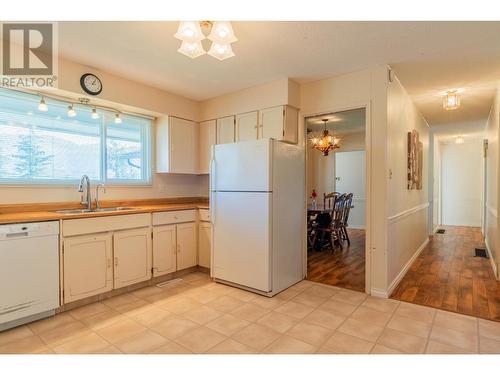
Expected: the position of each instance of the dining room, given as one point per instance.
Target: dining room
(336, 196)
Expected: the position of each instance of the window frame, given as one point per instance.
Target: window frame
(146, 154)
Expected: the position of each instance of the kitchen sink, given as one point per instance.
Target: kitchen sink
(87, 211)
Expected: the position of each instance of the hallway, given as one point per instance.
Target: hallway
(447, 276)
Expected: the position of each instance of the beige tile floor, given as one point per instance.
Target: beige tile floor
(200, 316)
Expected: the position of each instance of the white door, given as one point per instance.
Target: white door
(246, 126)
(225, 130)
(88, 266)
(206, 139)
(164, 250)
(183, 144)
(271, 123)
(204, 243)
(243, 166)
(350, 178)
(133, 256)
(241, 229)
(187, 254)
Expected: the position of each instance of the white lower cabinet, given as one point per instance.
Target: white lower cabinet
(88, 266)
(204, 243)
(132, 256)
(164, 250)
(187, 254)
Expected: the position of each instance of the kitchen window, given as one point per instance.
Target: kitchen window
(52, 148)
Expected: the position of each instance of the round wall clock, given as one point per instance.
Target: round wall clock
(91, 84)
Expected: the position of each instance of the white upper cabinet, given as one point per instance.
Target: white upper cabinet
(207, 138)
(225, 130)
(177, 146)
(246, 126)
(279, 122)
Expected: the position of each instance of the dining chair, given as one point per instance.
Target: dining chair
(328, 224)
(329, 200)
(345, 217)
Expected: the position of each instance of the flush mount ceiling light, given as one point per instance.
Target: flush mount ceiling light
(459, 140)
(191, 33)
(451, 100)
(326, 142)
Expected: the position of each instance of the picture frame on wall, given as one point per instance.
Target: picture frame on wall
(414, 161)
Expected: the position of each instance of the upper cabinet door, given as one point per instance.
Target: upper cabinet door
(187, 253)
(225, 130)
(88, 266)
(133, 256)
(291, 124)
(271, 123)
(246, 126)
(205, 141)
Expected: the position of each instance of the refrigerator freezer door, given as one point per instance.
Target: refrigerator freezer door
(242, 166)
(241, 243)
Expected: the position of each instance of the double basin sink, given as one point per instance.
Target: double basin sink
(87, 211)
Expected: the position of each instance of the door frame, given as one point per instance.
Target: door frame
(368, 180)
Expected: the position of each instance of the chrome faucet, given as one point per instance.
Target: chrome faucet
(97, 204)
(85, 190)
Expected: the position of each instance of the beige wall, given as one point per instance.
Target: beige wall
(491, 201)
(367, 88)
(129, 95)
(283, 91)
(407, 209)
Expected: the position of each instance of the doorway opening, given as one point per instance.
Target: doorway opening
(336, 196)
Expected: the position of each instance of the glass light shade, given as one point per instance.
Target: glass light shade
(221, 51)
(222, 33)
(71, 111)
(192, 50)
(94, 114)
(189, 31)
(459, 140)
(118, 119)
(451, 100)
(314, 141)
(42, 106)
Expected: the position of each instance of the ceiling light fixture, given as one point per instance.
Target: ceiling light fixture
(42, 106)
(94, 114)
(451, 100)
(71, 111)
(326, 142)
(118, 119)
(191, 33)
(459, 140)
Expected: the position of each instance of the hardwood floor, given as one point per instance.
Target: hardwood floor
(446, 275)
(344, 268)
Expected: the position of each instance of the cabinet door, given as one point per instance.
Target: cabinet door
(246, 126)
(204, 244)
(225, 130)
(271, 123)
(164, 250)
(187, 254)
(183, 146)
(133, 256)
(291, 124)
(88, 266)
(205, 141)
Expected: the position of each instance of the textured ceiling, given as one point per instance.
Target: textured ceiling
(428, 57)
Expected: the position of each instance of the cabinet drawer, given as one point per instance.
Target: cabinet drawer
(204, 215)
(172, 217)
(74, 227)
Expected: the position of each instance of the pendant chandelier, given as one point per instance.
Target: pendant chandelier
(191, 33)
(326, 142)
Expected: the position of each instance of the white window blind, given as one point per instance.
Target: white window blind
(51, 147)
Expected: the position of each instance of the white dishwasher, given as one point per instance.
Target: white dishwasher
(29, 272)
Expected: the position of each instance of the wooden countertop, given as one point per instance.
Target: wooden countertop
(10, 214)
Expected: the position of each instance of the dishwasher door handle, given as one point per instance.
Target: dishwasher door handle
(17, 235)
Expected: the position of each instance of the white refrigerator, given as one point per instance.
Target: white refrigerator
(257, 209)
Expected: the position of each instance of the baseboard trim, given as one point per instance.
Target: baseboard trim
(492, 261)
(387, 293)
